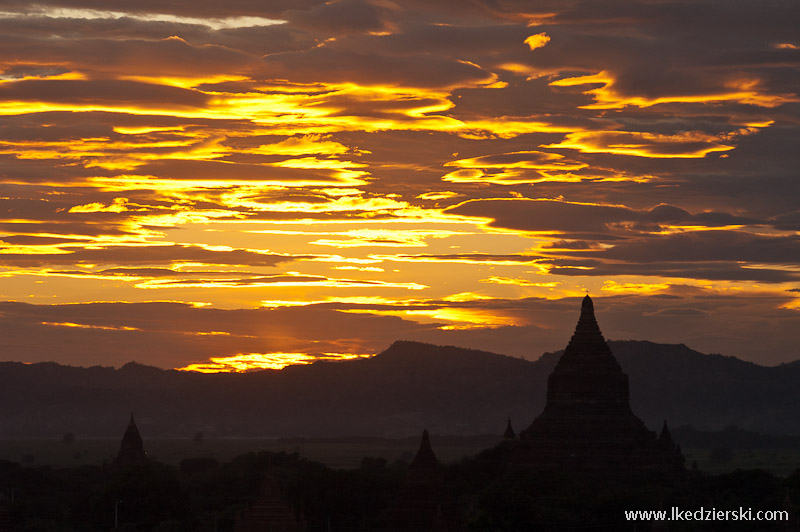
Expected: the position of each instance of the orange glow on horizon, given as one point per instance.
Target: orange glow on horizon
(458, 318)
(247, 362)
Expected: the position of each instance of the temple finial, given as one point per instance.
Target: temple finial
(587, 307)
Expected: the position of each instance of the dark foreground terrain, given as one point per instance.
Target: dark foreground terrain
(478, 494)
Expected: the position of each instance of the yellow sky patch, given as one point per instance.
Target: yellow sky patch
(537, 40)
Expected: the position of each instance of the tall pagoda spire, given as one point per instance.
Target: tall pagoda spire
(587, 373)
(587, 342)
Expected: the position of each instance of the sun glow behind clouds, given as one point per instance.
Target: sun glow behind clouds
(246, 362)
(457, 318)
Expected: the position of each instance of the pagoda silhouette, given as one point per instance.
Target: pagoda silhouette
(269, 512)
(131, 449)
(423, 504)
(587, 423)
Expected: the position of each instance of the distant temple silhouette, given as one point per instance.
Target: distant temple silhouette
(131, 448)
(269, 512)
(422, 505)
(509, 433)
(587, 423)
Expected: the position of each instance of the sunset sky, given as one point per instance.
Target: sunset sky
(278, 181)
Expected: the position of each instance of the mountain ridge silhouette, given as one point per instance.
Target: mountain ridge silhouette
(408, 386)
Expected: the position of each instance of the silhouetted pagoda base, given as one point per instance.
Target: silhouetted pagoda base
(587, 423)
(615, 447)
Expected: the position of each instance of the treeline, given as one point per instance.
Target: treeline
(733, 437)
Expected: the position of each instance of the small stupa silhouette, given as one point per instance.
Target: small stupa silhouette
(131, 448)
(422, 505)
(509, 434)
